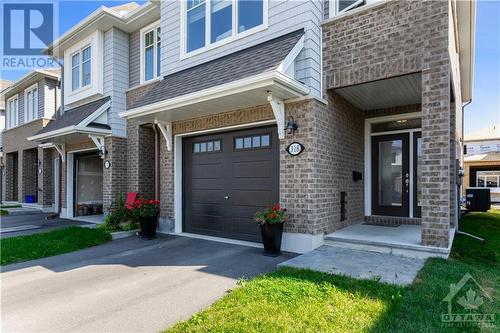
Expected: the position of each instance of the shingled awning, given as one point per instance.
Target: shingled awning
(253, 76)
(83, 119)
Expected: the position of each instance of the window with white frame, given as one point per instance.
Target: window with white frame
(81, 68)
(31, 103)
(208, 22)
(151, 53)
(489, 179)
(12, 112)
(342, 6)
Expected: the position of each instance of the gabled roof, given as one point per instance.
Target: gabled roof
(74, 116)
(255, 60)
(30, 78)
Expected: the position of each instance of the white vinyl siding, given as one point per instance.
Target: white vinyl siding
(31, 103)
(12, 112)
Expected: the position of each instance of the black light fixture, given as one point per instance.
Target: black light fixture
(291, 125)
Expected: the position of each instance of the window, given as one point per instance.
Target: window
(209, 22)
(12, 112)
(489, 179)
(151, 53)
(255, 141)
(342, 6)
(81, 68)
(207, 146)
(31, 103)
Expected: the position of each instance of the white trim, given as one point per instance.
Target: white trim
(234, 34)
(166, 131)
(395, 132)
(85, 122)
(365, 7)
(234, 87)
(35, 104)
(69, 130)
(368, 165)
(290, 58)
(56, 183)
(279, 114)
(411, 172)
(12, 119)
(178, 165)
(153, 26)
(99, 143)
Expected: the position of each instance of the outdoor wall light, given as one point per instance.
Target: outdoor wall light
(291, 125)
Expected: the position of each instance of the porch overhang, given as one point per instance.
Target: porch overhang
(62, 135)
(385, 93)
(248, 92)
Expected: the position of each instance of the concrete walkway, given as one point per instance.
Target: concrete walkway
(21, 225)
(359, 264)
(128, 285)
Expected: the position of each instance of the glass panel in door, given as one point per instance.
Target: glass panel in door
(88, 185)
(390, 175)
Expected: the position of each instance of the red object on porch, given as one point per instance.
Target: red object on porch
(131, 198)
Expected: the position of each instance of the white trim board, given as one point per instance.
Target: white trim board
(368, 152)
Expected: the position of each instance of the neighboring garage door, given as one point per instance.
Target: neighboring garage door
(227, 177)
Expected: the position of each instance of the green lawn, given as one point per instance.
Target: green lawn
(10, 206)
(290, 300)
(50, 243)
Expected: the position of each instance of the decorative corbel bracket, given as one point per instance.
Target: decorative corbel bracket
(279, 113)
(99, 142)
(166, 131)
(61, 149)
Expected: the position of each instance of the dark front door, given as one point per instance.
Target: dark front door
(390, 175)
(227, 177)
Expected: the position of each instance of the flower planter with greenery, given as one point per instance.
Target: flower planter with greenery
(118, 218)
(145, 212)
(271, 228)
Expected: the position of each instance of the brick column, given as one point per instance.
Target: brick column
(436, 134)
(166, 182)
(28, 176)
(140, 159)
(114, 178)
(45, 179)
(11, 176)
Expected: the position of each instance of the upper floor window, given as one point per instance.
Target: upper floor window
(208, 22)
(81, 68)
(151, 52)
(12, 112)
(31, 103)
(342, 6)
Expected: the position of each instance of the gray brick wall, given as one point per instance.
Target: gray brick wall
(372, 45)
(114, 178)
(45, 179)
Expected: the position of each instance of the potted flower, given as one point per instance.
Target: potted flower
(146, 213)
(271, 228)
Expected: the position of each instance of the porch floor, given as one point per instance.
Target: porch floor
(402, 240)
(90, 218)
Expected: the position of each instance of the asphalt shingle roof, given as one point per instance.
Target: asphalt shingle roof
(74, 116)
(248, 62)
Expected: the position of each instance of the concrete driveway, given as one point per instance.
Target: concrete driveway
(20, 225)
(128, 285)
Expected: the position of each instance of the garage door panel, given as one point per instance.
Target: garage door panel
(251, 198)
(252, 169)
(223, 190)
(207, 196)
(207, 171)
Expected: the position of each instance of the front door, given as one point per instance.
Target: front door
(391, 175)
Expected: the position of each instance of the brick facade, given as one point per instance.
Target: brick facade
(114, 178)
(371, 45)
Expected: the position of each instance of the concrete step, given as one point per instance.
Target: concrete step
(406, 250)
(23, 211)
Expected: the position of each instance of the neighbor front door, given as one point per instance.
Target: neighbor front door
(390, 175)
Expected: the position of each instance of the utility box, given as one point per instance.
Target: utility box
(478, 199)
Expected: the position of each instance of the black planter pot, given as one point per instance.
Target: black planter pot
(271, 237)
(148, 227)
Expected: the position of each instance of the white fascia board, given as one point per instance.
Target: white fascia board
(95, 114)
(28, 77)
(254, 82)
(69, 130)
